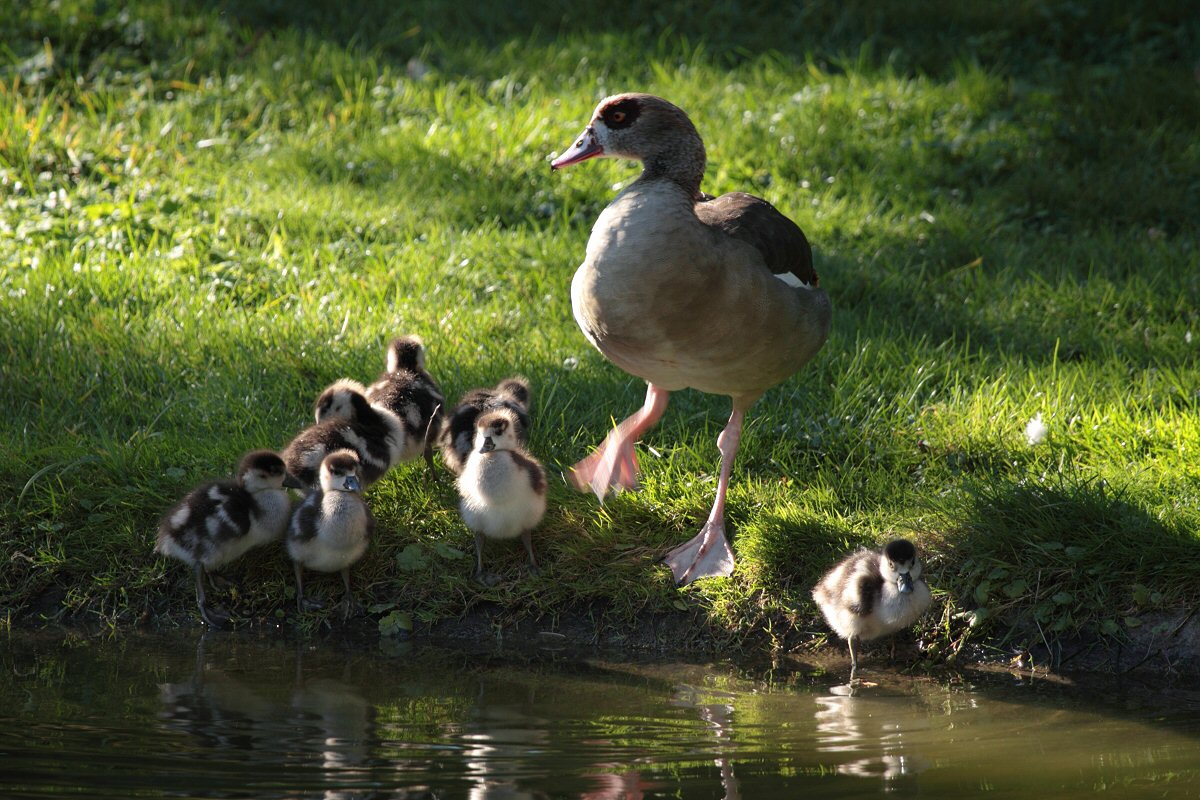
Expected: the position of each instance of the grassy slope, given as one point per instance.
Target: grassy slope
(211, 213)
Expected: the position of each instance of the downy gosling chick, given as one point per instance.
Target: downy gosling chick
(331, 528)
(408, 390)
(338, 400)
(217, 522)
(459, 432)
(873, 593)
(374, 433)
(503, 487)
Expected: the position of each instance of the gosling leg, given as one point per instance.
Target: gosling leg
(350, 605)
(488, 578)
(214, 619)
(299, 586)
(527, 539)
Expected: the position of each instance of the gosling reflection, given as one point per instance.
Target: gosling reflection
(502, 739)
(861, 727)
(339, 724)
(616, 782)
(224, 715)
(319, 726)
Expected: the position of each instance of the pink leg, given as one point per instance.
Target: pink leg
(614, 464)
(707, 554)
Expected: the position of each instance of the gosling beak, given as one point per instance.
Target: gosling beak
(351, 484)
(292, 482)
(487, 446)
(904, 583)
(587, 146)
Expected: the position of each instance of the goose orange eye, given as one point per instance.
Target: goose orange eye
(618, 116)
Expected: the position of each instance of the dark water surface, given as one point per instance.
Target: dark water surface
(230, 715)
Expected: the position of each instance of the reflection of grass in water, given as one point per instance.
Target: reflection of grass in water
(224, 213)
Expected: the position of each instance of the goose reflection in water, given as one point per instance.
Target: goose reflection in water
(854, 721)
(320, 729)
(718, 716)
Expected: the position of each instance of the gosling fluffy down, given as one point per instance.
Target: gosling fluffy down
(217, 522)
(873, 593)
(408, 390)
(375, 434)
(502, 486)
(459, 432)
(332, 527)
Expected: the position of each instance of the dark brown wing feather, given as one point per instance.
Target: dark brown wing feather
(759, 224)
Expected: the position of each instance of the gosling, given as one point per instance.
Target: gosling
(217, 522)
(872, 593)
(503, 488)
(339, 400)
(408, 390)
(373, 432)
(331, 528)
(459, 433)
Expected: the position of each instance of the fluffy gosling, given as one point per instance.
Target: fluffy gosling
(459, 432)
(331, 528)
(218, 521)
(408, 390)
(373, 432)
(503, 487)
(873, 593)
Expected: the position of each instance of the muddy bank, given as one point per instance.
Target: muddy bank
(1162, 645)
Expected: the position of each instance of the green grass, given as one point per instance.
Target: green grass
(210, 211)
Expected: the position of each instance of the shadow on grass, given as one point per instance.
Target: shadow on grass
(1070, 554)
(1060, 51)
(1065, 69)
(930, 38)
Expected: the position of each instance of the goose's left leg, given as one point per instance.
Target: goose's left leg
(707, 554)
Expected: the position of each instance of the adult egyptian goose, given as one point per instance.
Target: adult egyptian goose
(685, 290)
(373, 432)
(873, 593)
(502, 486)
(330, 530)
(217, 522)
(459, 432)
(408, 390)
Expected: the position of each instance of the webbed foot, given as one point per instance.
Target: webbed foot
(705, 555)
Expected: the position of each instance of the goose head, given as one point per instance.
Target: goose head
(496, 430)
(341, 472)
(406, 352)
(899, 564)
(644, 128)
(261, 470)
(343, 399)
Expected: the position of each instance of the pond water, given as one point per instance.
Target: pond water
(233, 715)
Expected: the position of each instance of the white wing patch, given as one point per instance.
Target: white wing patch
(792, 281)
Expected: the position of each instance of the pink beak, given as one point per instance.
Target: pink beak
(587, 146)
